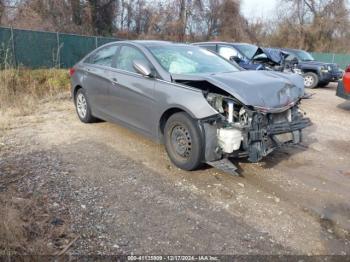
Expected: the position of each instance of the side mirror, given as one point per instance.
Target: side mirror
(142, 67)
(235, 59)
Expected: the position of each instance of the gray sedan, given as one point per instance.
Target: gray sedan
(202, 107)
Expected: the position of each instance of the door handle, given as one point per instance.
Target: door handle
(114, 80)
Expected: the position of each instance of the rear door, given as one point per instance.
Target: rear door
(131, 98)
(96, 81)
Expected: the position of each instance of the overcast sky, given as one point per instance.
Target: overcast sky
(258, 8)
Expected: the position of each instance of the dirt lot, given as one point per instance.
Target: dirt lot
(101, 189)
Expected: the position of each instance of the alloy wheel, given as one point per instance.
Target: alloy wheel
(308, 80)
(81, 105)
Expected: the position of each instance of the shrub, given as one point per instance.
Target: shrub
(22, 89)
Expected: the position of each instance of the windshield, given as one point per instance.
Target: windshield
(304, 56)
(178, 59)
(247, 50)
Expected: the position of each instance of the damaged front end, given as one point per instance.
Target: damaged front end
(257, 112)
(242, 131)
(275, 60)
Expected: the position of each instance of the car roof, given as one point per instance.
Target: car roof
(291, 49)
(147, 43)
(221, 42)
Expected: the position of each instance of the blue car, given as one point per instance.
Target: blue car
(248, 56)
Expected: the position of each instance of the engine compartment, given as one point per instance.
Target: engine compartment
(246, 132)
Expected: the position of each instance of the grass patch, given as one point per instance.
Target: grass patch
(22, 89)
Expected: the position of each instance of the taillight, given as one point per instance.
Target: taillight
(347, 70)
(71, 71)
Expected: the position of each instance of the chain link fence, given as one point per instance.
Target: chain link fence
(37, 49)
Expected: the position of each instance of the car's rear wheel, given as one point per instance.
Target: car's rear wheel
(310, 80)
(183, 141)
(82, 107)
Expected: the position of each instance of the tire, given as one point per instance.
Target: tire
(183, 142)
(82, 107)
(323, 84)
(310, 80)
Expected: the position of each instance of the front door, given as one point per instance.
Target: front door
(131, 97)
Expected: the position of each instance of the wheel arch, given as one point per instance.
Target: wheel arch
(75, 90)
(311, 70)
(166, 115)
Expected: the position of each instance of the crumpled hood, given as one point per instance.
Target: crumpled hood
(265, 89)
(276, 56)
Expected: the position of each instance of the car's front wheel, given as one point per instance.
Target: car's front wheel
(310, 80)
(183, 141)
(82, 107)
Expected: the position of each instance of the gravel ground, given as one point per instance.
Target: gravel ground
(102, 189)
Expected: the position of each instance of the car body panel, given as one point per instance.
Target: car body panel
(343, 89)
(131, 98)
(346, 80)
(97, 87)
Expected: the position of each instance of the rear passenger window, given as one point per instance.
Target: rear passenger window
(104, 56)
(126, 57)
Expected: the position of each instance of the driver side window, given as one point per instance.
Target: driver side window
(126, 57)
(227, 52)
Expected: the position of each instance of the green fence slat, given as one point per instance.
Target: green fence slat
(343, 60)
(74, 47)
(6, 48)
(35, 49)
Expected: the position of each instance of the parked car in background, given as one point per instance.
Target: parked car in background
(241, 53)
(343, 89)
(252, 57)
(202, 107)
(315, 73)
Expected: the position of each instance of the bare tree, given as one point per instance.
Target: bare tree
(313, 25)
(2, 9)
(76, 11)
(102, 15)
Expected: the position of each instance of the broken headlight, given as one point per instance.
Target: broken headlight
(216, 101)
(226, 106)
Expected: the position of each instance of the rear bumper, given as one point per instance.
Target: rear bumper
(341, 91)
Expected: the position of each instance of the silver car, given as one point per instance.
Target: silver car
(202, 107)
